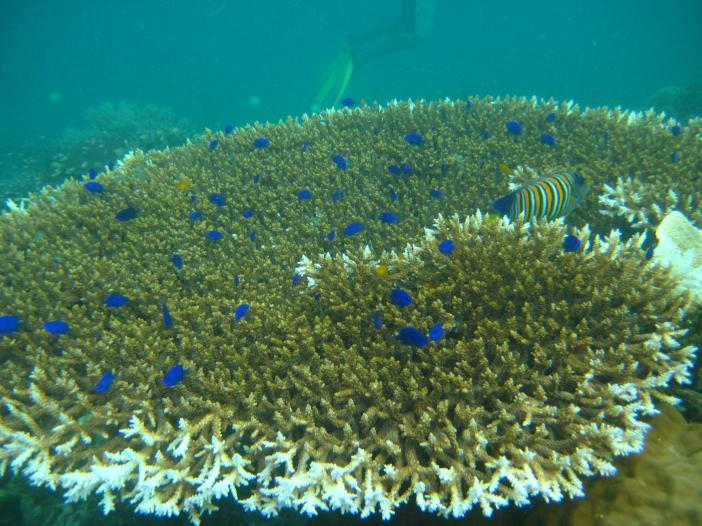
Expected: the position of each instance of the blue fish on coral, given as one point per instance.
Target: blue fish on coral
(393, 195)
(436, 332)
(377, 321)
(261, 142)
(389, 217)
(177, 261)
(410, 335)
(348, 102)
(248, 213)
(296, 279)
(548, 139)
(406, 168)
(116, 300)
(305, 193)
(104, 383)
(553, 196)
(92, 173)
(394, 169)
(167, 319)
(228, 129)
(241, 311)
(213, 144)
(675, 130)
(551, 117)
(650, 252)
(436, 193)
(93, 187)
(414, 139)
(126, 214)
(571, 243)
(214, 235)
(331, 235)
(56, 327)
(195, 215)
(447, 246)
(9, 323)
(400, 297)
(174, 375)
(514, 127)
(675, 157)
(353, 228)
(340, 161)
(236, 280)
(252, 235)
(338, 194)
(217, 199)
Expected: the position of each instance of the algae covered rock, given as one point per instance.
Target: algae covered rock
(220, 320)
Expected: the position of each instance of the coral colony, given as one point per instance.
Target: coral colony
(317, 315)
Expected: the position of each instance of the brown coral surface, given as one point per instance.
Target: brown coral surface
(548, 361)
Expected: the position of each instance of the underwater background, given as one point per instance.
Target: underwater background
(84, 83)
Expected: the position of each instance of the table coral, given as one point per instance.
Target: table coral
(528, 367)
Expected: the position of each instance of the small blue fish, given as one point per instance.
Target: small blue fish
(514, 127)
(436, 193)
(236, 280)
(296, 279)
(115, 300)
(400, 298)
(195, 215)
(348, 102)
(340, 161)
(217, 199)
(229, 128)
(331, 235)
(261, 142)
(104, 383)
(305, 193)
(213, 144)
(394, 169)
(393, 195)
(650, 252)
(676, 130)
(551, 117)
(56, 327)
(174, 375)
(338, 194)
(94, 187)
(177, 261)
(92, 173)
(248, 213)
(675, 157)
(167, 320)
(548, 139)
(485, 135)
(252, 235)
(377, 321)
(410, 335)
(389, 217)
(305, 146)
(446, 246)
(571, 243)
(111, 165)
(436, 332)
(193, 198)
(414, 139)
(406, 168)
(353, 228)
(214, 235)
(8, 324)
(256, 178)
(126, 214)
(241, 311)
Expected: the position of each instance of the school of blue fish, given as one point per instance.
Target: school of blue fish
(551, 196)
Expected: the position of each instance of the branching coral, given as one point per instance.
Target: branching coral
(547, 366)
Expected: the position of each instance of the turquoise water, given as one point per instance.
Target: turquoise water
(83, 82)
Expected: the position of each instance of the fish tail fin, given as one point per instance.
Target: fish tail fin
(503, 205)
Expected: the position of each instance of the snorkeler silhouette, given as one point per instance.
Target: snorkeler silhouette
(405, 32)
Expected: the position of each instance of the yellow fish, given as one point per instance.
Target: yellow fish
(182, 184)
(505, 169)
(381, 271)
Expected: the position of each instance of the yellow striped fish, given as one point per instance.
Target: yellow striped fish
(552, 196)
